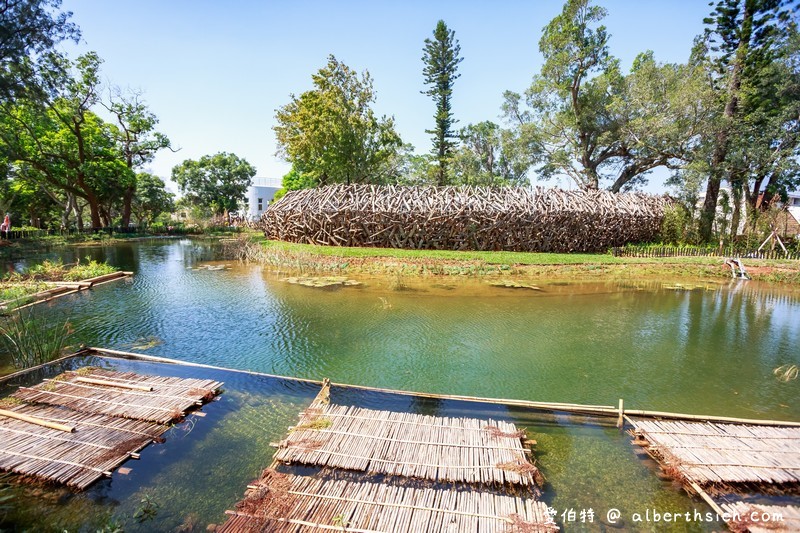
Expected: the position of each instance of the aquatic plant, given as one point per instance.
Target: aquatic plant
(47, 270)
(786, 373)
(30, 340)
(92, 269)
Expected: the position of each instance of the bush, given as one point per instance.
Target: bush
(47, 270)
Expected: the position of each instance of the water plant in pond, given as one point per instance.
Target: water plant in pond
(92, 269)
(786, 373)
(511, 284)
(29, 339)
(146, 343)
(321, 281)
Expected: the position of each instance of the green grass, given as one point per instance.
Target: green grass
(494, 258)
(14, 290)
(306, 258)
(88, 270)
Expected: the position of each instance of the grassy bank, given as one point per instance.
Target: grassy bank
(324, 259)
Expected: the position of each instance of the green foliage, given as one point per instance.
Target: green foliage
(151, 198)
(29, 28)
(294, 180)
(47, 270)
(441, 58)
(30, 340)
(677, 226)
(330, 134)
(583, 118)
(148, 509)
(218, 182)
(488, 155)
(88, 270)
(751, 57)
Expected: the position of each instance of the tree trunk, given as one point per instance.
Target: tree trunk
(127, 200)
(737, 211)
(723, 137)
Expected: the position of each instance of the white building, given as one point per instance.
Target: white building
(260, 194)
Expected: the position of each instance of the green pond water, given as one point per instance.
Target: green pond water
(711, 350)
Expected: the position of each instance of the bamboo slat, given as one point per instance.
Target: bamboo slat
(716, 453)
(167, 401)
(282, 502)
(99, 444)
(406, 444)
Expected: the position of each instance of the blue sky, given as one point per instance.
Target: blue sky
(214, 72)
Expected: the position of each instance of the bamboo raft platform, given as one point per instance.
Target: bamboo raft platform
(97, 444)
(122, 394)
(280, 502)
(410, 445)
(390, 471)
(741, 517)
(78, 427)
(723, 456)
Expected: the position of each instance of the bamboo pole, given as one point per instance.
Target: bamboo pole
(37, 421)
(608, 411)
(112, 384)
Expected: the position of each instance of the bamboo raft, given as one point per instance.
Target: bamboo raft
(410, 445)
(723, 456)
(91, 421)
(438, 470)
(122, 394)
(282, 503)
(97, 444)
(741, 517)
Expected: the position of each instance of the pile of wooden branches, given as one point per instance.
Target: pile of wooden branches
(464, 218)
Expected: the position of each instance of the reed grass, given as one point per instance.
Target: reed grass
(30, 339)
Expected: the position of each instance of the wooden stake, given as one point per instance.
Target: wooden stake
(620, 419)
(37, 421)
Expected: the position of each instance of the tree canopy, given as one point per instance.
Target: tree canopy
(331, 133)
(218, 181)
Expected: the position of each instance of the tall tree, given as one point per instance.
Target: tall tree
(331, 133)
(584, 119)
(64, 144)
(151, 199)
(137, 138)
(29, 28)
(218, 181)
(441, 58)
(489, 155)
(743, 37)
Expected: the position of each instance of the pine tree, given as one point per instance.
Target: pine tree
(441, 58)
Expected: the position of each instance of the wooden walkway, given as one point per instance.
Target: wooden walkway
(124, 394)
(405, 444)
(96, 420)
(723, 455)
(282, 503)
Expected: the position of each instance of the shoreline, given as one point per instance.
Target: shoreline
(312, 259)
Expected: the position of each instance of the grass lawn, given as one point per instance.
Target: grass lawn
(313, 258)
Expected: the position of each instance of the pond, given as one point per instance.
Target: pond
(707, 348)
